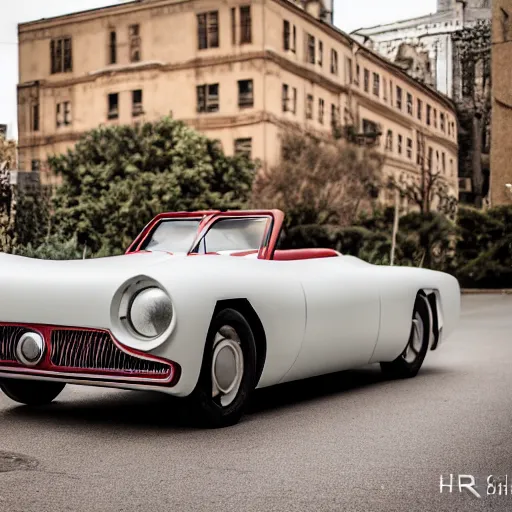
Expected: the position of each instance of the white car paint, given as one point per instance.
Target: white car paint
(319, 315)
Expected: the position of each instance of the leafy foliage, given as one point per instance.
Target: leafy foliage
(53, 248)
(116, 179)
(7, 162)
(319, 182)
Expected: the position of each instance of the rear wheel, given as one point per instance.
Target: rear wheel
(31, 392)
(409, 362)
(228, 373)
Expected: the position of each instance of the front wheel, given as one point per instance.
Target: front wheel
(31, 392)
(228, 373)
(409, 362)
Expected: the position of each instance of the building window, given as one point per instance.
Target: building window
(287, 99)
(113, 106)
(112, 47)
(391, 92)
(208, 30)
(334, 62)
(309, 107)
(435, 118)
(334, 115)
(376, 84)
(366, 80)
(321, 106)
(207, 98)
(400, 143)
(320, 53)
(63, 114)
(137, 109)
(429, 158)
(409, 149)
(134, 43)
(419, 109)
(442, 121)
(443, 162)
(310, 56)
(358, 74)
(35, 117)
(245, 24)
(245, 94)
(389, 141)
(243, 147)
(233, 25)
(385, 89)
(35, 165)
(369, 127)
(409, 103)
(398, 97)
(61, 55)
(429, 115)
(418, 148)
(286, 36)
(451, 167)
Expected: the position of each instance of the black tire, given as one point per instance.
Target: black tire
(31, 392)
(400, 368)
(208, 411)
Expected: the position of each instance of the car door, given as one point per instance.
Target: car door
(343, 317)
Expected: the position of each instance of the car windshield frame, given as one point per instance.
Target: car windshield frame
(200, 246)
(167, 246)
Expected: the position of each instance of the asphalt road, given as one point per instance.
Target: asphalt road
(350, 441)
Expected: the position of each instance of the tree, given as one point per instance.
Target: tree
(319, 182)
(472, 47)
(117, 178)
(7, 162)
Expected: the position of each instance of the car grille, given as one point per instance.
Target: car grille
(9, 335)
(86, 351)
(95, 350)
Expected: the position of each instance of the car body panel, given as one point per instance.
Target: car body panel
(319, 315)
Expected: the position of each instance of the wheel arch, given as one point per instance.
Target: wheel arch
(431, 298)
(245, 308)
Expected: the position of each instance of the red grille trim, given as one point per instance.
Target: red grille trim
(86, 353)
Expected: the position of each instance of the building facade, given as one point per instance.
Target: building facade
(238, 71)
(424, 46)
(450, 50)
(501, 151)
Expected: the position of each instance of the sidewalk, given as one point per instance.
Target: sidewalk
(477, 291)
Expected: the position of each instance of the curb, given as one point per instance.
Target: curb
(477, 291)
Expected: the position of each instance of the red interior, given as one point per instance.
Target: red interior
(304, 254)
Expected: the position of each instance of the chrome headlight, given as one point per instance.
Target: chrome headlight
(150, 312)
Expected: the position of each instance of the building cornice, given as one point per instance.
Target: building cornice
(268, 55)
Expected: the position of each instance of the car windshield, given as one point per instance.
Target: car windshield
(173, 235)
(229, 235)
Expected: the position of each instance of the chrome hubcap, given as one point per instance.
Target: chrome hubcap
(413, 349)
(227, 365)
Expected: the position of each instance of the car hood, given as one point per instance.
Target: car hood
(73, 293)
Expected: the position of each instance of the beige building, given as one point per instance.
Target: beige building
(239, 71)
(501, 148)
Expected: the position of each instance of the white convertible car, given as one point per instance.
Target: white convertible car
(204, 305)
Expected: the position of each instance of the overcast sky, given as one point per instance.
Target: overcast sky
(348, 15)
